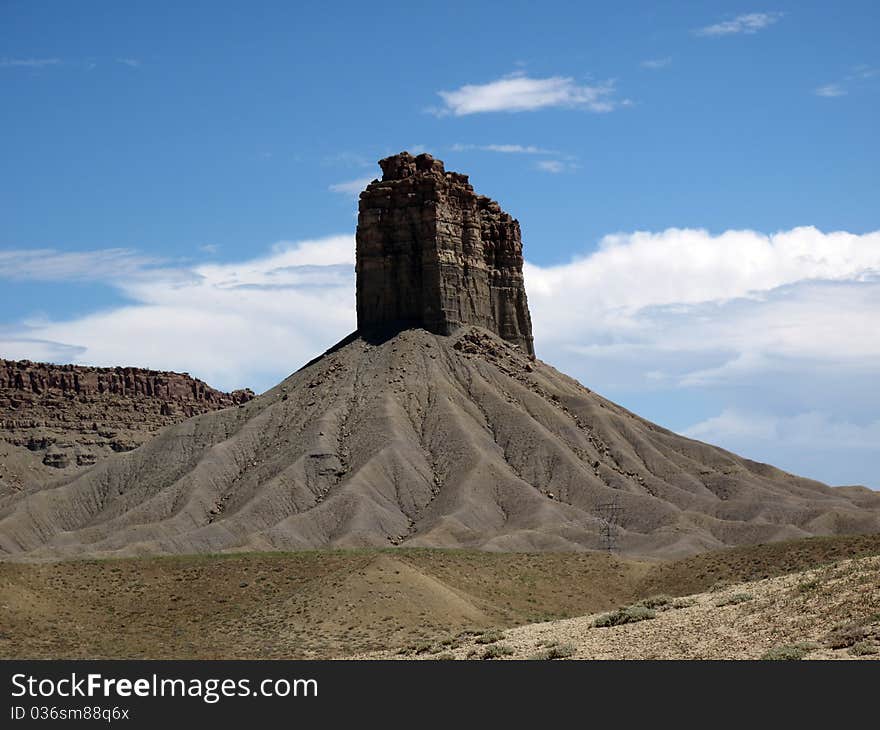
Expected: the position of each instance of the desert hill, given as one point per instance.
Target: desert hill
(433, 425)
(423, 440)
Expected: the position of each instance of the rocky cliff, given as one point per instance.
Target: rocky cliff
(434, 254)
(69, 416)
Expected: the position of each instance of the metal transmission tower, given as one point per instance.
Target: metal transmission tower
(611, 514)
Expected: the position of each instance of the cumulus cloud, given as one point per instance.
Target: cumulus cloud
(633, 271)
(519, 93)
(685, 321)
(747, 23)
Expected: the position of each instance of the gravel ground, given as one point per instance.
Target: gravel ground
(795, 614)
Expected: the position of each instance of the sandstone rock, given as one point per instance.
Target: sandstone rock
(69, 416)
(432, 253)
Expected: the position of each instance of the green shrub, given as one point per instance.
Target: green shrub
(684, 602)
(489, 637)
(627, 615)
(496, 651)
(863, 648)
(560, 651)
(661, 602)
(790, 652)
(734, 599)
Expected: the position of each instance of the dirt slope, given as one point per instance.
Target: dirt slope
(424, 440)
(825, 613)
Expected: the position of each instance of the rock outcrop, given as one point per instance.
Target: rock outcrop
(432, 253)
(62, 416)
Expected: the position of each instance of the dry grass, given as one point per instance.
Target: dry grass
(424, 603)
(837, 619)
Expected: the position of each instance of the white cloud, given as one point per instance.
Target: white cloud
(233, 324)
(53, 265)
(555, 166)
(712, 309)
(863, 72)
(130, 62)
(835, 450)
(830, 90)
(809, 429)
(28, 62)
(519, 93)
(656, 63)
(351, 187)
(747, 23)
(514, 149)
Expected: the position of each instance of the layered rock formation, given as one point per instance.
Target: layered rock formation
(69, 416)
(432, 253)
(433, 435)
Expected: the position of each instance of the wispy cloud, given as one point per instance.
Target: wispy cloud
(856, 79)
(53, 265)
(130, 62)
(863, 72)
(555, 166)
(656, 63)
(520, 93)
(31, 63)
(748, 23)
(513, 149)
(351, 187)
(830, 91)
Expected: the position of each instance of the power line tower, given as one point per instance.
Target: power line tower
(611, 514)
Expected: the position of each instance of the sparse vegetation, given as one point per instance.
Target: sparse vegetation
(322, 604)
(683, 603)
(809, 585)
(660, 602)
(559, 651)
(496, 651)
(848, 635)
(489, 637)
(863, 648)
(626, 615)
(734, 599)
(790, 652)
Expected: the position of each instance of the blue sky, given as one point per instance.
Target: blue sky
(696, 183)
